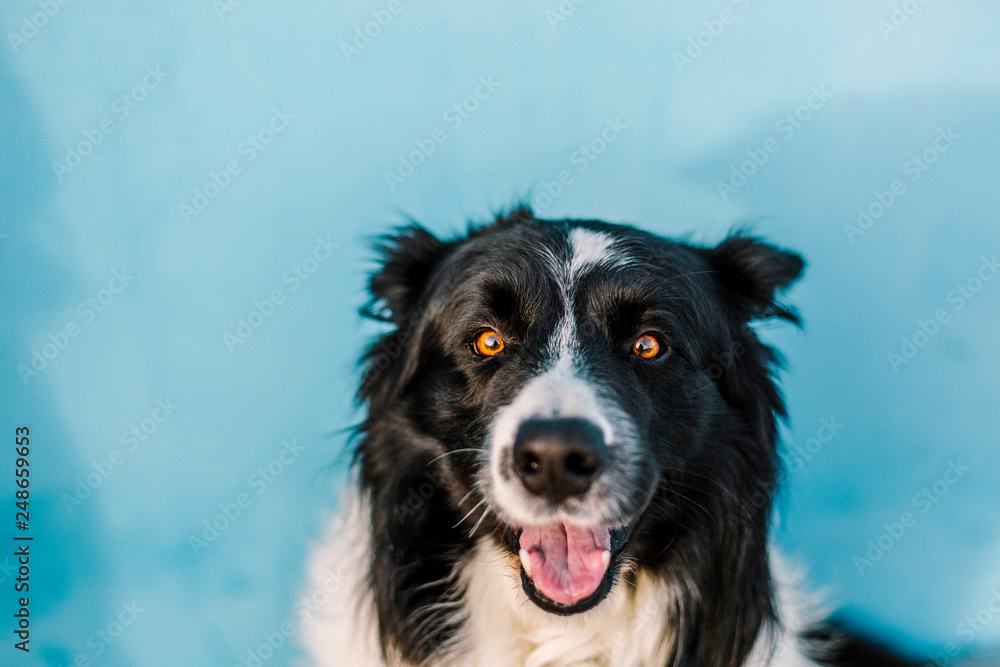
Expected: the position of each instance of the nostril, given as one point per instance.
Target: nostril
(581, 463)
(529, 462)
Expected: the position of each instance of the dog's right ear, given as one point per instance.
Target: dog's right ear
(408, 258)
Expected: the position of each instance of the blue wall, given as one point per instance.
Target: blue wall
(249, 132)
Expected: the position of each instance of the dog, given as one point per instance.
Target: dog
(568, 458)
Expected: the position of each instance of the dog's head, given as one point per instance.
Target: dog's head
(590, 397)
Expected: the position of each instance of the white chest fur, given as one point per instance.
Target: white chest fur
(505, 628)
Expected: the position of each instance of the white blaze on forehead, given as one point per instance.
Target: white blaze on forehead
(589, 248)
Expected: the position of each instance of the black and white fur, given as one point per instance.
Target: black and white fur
(424, 554)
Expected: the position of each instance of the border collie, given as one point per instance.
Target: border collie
(568, 458)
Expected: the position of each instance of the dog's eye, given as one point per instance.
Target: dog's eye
(488, 343)
(647, 346)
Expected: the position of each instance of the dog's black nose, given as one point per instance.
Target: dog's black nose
(558, 458)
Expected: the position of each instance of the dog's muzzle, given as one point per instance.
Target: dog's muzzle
(566, 567)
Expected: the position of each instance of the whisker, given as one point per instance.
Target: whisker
(660, 504)
(698, 505)
(476, 527)
(664, 550)
(475, 507)
(466, 497)
(454, 451)
(714, 481)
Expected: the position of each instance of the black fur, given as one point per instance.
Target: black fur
(838, 643)
(706, 415)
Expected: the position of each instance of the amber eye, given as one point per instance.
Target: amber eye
(488, 343)
(647, 347)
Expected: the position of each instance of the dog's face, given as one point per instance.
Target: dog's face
(571, 348)
(588, 395)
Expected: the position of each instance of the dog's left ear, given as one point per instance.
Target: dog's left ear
(752, 273)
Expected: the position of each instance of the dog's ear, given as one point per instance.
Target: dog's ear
(752, 273)
(409, 258)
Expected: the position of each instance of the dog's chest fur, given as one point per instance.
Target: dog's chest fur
(501, 628)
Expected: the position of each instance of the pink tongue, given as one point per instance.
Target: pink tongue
(567, 563)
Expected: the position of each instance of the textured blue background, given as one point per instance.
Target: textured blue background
(64, 231)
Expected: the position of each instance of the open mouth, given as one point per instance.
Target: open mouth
(568, 569)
